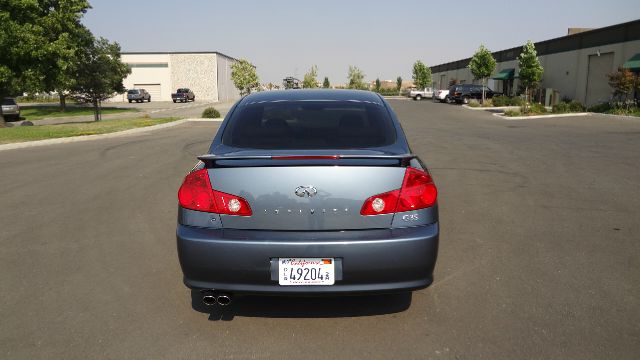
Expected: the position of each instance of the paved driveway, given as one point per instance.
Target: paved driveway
(539, 258)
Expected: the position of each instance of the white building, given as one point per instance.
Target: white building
(575, 66)
(207, 74)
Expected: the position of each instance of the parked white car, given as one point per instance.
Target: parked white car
(441, 95)
(419, 94)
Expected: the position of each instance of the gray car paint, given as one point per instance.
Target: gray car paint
(342, 191)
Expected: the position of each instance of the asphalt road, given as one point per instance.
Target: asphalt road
(539, 256)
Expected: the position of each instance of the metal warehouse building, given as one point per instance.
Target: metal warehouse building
(575, 66)
(208, 74)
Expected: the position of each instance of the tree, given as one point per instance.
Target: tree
(421, 75)
(530, 70)
(378, 85)
(310, 81)
(398, 84)
(244, 76)
(623, 83)
(482, 65)
(356, 79)
(99, 74)
(37, 43)
(326, 84)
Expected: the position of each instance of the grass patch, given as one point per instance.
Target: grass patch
(32, 133)
(42, 112)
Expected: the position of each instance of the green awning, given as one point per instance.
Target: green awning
(505, 74)
(633, 63)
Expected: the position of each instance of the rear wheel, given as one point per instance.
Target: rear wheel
(130, 101)
(149, 99)
(465, 100)
(418, 98)
(174, 101)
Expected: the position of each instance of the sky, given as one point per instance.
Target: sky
(383, 38)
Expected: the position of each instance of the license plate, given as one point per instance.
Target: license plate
(306, 271)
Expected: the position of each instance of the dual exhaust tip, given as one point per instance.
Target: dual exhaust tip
(211, 299)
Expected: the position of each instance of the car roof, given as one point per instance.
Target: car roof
(312, 95)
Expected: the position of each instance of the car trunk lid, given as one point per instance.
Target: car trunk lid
(307, 197)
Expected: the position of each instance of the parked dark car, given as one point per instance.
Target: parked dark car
(138, 95)
(308, 192)
(462, 93)
(183, 95)
(10, 109)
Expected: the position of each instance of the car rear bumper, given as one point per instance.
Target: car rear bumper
(372, 261)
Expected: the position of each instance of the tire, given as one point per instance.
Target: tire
(174, 101)
(417, 98)
(149, 99)
(465, 100)
(130, 101)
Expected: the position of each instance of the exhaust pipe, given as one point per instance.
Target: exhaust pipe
(209, 299)
(224, 299)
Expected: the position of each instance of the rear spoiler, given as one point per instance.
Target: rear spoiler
(210, 160)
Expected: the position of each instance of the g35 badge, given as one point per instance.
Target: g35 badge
(410, 217)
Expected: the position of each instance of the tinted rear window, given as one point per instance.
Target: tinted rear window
(8, 102)
(181, 91)
(133, 91)
(310, 125)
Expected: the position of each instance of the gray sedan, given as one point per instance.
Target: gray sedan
(308, 192)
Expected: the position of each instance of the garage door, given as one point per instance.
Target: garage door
(598, 89)
(153, 89)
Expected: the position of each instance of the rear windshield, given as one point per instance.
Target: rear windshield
(310, 125)
(180, 91)
(8, 102)
(133, 91)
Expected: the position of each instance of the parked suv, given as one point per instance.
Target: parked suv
(462, 93)
(308, 192)
(138, 95)
(10, 109)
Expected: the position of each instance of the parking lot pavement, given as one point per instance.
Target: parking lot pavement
(539, 248)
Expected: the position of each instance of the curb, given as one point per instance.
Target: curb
(621, 117)
(491, 108)
(72, 139)
(500, 115)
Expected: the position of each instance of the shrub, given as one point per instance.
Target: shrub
(487, 103)
(473, 103)
(210, 113)
(516, 101)
(560, 108)
(600, 108)
(512, 113)
(576, 106)
(500, 100)
(536, 108)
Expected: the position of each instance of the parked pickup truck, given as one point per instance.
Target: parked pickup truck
(441, 95)
(419, 94)
(183, 95)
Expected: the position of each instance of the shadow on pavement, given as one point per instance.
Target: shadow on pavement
(304, 307)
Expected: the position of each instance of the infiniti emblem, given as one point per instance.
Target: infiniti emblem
(307, 190)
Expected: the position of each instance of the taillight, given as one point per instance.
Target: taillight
(417, 192)
(197, 194)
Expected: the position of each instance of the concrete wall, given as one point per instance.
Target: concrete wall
(197, 72)
(226, 89)
(566, 72)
